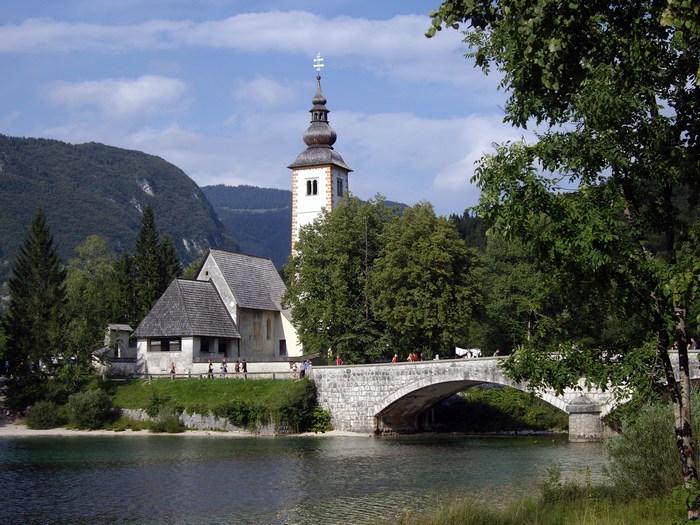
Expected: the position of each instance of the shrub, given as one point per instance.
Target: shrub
(320, 420)
(241, 414)
(644, 457)
(89, 409)
(167, 420)
(45, 414)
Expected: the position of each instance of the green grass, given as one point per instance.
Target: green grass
(588, 508)
(205, 394)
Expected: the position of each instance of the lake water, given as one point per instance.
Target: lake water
(165, 479)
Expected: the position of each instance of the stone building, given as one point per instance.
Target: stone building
(231, 311)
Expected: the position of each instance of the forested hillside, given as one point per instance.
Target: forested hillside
(96, 189)
(260, 219)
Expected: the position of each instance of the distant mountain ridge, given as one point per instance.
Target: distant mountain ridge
(260, 219)
(97, 189)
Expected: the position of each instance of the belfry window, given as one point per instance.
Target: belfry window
(312, 187)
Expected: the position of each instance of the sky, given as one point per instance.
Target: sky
(223, 88)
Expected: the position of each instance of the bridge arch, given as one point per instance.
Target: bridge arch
(399, 410)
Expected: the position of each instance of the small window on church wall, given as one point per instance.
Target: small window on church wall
(312, 187)
(269, 328)
(340, 187)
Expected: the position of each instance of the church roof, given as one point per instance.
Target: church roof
(254, 281)
(319, 137)
(188, 308)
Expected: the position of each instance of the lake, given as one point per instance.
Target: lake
(176, 479)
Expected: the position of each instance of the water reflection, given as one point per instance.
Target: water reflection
(176, 479)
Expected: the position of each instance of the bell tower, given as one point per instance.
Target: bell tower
(319, 174)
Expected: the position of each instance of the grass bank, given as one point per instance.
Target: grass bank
(244, 403)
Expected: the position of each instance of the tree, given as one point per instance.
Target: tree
(172, 268)
(518, 292)
(148, 266)
(424, 282)
(329, 281)
(155, 264)
(92, 291)
(613, 88)
(34, 323)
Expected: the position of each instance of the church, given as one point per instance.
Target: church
(232, 310)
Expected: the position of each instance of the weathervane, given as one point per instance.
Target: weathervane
(318, 64)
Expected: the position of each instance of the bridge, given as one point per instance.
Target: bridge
(395, 397)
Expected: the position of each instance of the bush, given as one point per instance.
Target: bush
(644, 457)
(90, 409)
(167, 420)
(45, 414)
(320, 420)
(241, 414)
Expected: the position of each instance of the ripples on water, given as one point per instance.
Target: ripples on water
(297, 480)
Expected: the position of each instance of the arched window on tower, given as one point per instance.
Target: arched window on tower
(312, 187)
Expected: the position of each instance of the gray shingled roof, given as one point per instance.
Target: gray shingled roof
(254, 281)
(315, 156)
(188, 308)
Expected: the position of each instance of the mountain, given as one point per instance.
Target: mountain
(96, 189)
(260, 219)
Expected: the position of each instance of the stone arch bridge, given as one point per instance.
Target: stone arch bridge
(391, 397)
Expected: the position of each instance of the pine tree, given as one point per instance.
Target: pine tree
(155, 265)
(34, 323)
(172, 269)
(148, 267)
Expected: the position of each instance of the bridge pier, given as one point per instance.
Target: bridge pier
(585, 424)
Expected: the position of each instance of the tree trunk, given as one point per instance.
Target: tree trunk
(679, 389)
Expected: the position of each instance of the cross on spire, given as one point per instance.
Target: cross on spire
(318, 63)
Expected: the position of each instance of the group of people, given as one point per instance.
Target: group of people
(301, 369)
(239, 366)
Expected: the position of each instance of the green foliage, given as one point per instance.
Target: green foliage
(299, 409)
(644, 457)
(90, 409)
(471, 229)
(613, 88)
(330, 278)
(424, 282)
(368, 281)
(166, 420)
(34, 323)
(319, 420)
(45, 414)
(242, 414)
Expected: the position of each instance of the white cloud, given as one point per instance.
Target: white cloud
(395, 47)
(264, 92)
(120, 98)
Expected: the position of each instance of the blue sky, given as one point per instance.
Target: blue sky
(223, 88)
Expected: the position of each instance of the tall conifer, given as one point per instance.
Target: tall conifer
(34, 322)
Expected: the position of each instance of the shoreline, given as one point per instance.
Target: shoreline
(16, 428)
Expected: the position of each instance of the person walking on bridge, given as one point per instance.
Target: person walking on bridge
(338, 360)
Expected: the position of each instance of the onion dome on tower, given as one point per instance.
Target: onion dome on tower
(320, 136)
